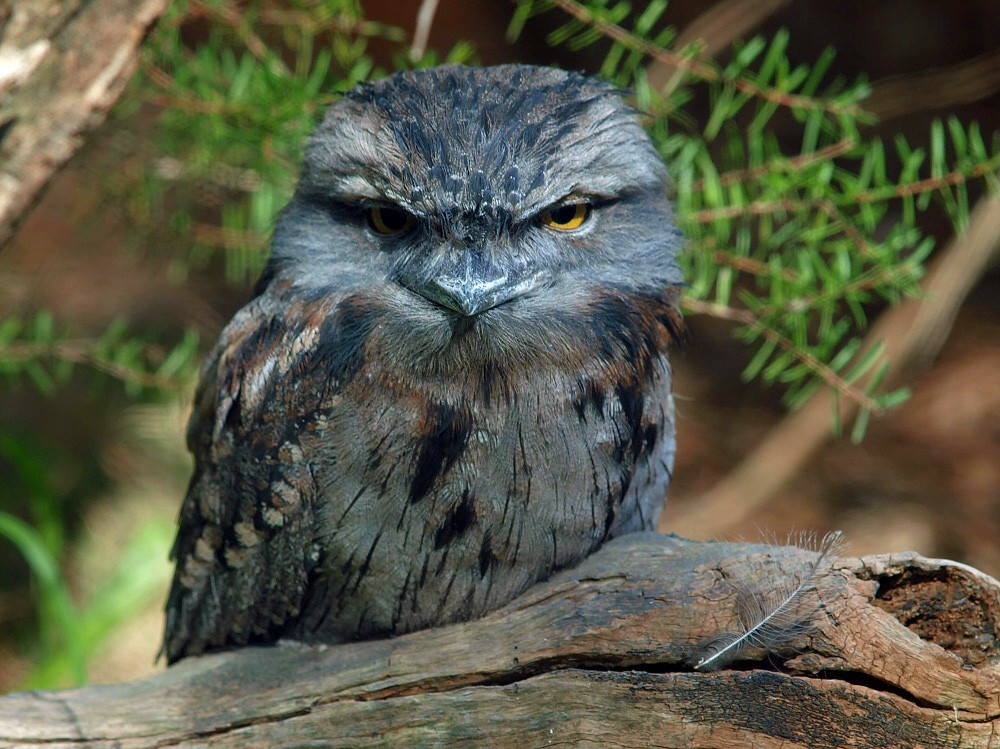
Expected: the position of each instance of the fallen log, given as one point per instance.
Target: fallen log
(904, 653)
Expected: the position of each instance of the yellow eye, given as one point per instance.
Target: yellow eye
(387, 220)
(566, 217)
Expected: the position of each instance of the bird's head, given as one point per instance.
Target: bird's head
(482, 212)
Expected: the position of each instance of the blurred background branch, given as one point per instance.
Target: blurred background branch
(62, 67)
(938, 88)
(711, 33)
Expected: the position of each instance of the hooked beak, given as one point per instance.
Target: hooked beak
(468, 286)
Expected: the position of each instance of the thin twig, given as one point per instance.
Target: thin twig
(190, 104)
(752, 266)
(715, 29)
(871, 279)
(229, 239)
(821, 370)
(422, 30)
(341, 23)
(157, 75)
(699, 69)
(755, 208)
(783, 164)
(834, 213)
(82, 352)
(231, 16)
(930, 184)
(786, 205)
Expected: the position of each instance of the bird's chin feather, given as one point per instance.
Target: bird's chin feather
(558, 330)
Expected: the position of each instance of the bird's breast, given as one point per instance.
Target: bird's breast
(438, 505)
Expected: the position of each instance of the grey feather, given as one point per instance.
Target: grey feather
(775, 600)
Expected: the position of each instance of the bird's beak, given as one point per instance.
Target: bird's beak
(469, 286)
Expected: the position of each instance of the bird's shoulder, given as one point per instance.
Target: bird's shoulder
(244, 547)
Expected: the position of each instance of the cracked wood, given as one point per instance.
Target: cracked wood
(596, 653)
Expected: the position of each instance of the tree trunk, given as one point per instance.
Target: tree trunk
(902, 654)
(63, 65)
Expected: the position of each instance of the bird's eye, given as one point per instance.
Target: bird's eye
(566, 217)
(387, 220)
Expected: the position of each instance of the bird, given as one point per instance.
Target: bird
(452, 378)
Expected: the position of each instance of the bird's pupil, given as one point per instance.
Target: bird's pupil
(385, 220)
(394, 219)
(564, 213)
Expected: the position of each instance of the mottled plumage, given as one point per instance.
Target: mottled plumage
(409, 427)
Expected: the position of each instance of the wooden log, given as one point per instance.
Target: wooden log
(63, 65)
(904, 654)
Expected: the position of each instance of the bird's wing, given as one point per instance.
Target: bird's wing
(245, 547)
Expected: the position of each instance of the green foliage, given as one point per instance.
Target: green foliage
(796, 226)
(69, 635)
(37, 350)
(236, 116)
(56, 612)
(78, 631)
(41, 353)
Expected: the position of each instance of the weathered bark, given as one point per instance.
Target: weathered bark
(63, 65)
(904, 654)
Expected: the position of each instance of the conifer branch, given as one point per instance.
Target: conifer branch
(757, 326)
(784, 163)
(699, 69)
